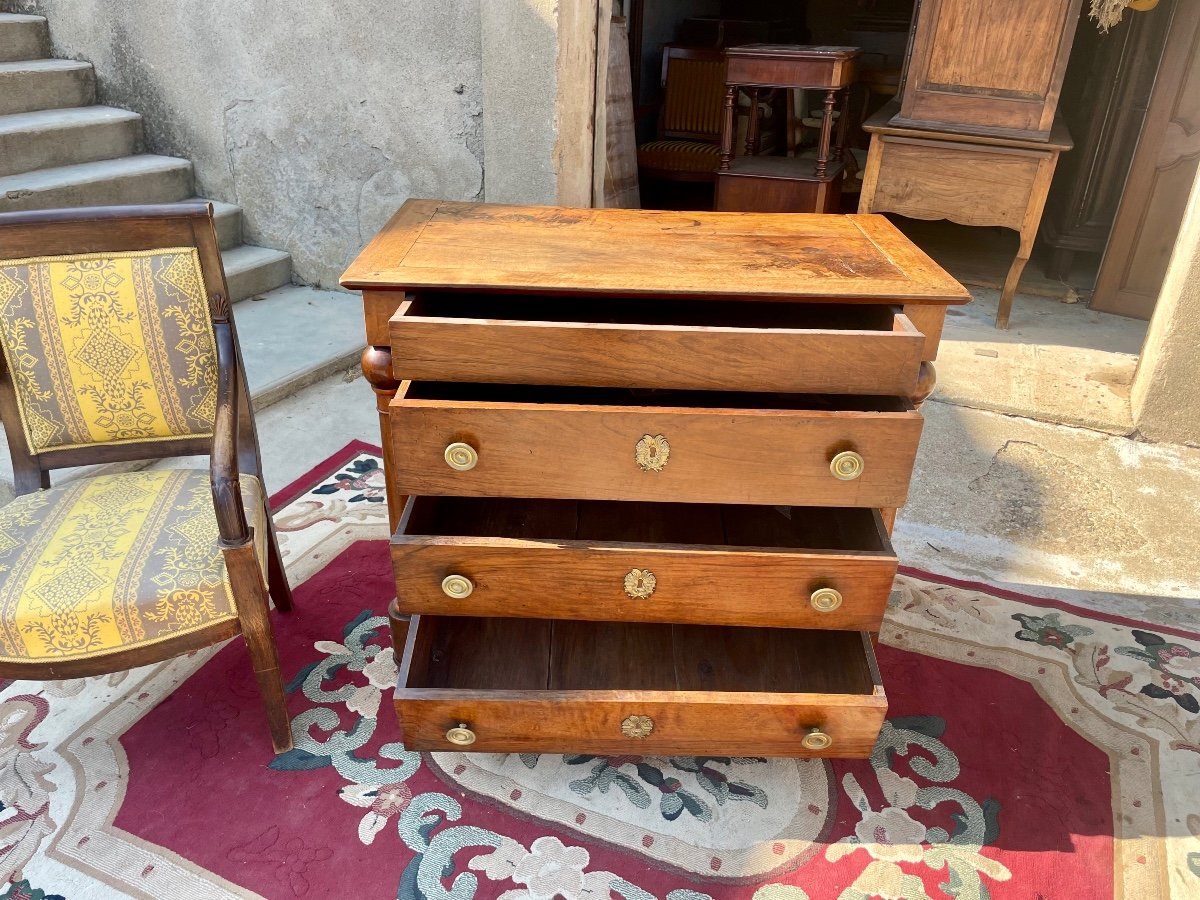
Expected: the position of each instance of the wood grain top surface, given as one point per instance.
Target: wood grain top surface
(440, 244)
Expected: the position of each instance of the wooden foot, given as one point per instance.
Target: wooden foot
(1010, 288)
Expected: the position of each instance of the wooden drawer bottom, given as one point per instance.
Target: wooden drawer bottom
(539, 685)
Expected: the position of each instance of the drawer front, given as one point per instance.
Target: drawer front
(682, 725)
(498, 686)
(642, 583)
(714, 456)
(885, 362)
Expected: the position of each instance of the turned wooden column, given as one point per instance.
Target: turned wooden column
(752, 125)
(729, 132)
(377, 367)
(826, 133)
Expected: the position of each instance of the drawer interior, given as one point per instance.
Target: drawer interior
(474, 654)
(642, 311)
(469, 392)
(707, 524)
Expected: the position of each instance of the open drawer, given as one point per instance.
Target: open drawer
(537, 685)
(689, 344)
(618, 444)
(790, 567)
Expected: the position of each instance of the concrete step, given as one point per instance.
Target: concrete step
(23, 37)
(132, 179)
(49, 138)
(291, 338)
(29, 85)
(252, 271)
(228, 219)
(294, 336)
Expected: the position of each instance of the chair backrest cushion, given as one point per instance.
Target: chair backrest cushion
(109, 347)
(694, 91)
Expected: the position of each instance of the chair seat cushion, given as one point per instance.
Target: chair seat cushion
(679, 156)
(114, 562)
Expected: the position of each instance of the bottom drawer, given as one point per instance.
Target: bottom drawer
(540, 685)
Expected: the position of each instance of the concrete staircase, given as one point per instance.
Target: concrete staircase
(59, 148)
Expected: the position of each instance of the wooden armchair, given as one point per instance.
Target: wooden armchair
(119, 344)
(688, 147)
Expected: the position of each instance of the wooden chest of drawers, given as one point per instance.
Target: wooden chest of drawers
(642, 469)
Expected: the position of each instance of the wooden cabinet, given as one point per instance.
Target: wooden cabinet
(1104, 104)
(650, 461)
(990, 67)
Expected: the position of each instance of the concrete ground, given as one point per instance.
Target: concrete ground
(1058, 362)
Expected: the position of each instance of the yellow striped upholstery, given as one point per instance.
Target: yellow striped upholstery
(115, 562)
(694, 91)
(109, 347)
(679, 156)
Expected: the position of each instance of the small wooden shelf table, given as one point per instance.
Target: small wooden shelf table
(754, 183)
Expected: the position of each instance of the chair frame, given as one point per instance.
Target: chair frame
(232, 449)
(669, 52)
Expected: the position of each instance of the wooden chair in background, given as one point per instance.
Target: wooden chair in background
(119, 344)
(688, 146)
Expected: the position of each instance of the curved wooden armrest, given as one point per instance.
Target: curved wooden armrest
(223, 462)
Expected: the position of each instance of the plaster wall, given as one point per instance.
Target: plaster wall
(539, 77)
(1164, 399)
(319, 119)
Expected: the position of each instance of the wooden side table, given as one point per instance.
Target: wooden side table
(965, 178)
(774, 183)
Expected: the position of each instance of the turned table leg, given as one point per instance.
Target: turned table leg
(377, 367)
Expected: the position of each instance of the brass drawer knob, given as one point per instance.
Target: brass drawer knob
(846, 466)
(461, 457)
(458, 587)
(637, 726)
(652, 452)
(462, 735)
(825, 599)
(816, 739)
(640, 583)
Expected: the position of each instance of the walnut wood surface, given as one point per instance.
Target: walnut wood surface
(717, 346)
(562, 559)
(536, 685)
(444, 244)
(536, 442)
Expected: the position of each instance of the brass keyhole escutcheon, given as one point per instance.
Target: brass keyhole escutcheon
(640, 583)
(461, 457)
(457, 586)
(816, 739)
(462, 735)
(825, 599)
(847, 465)
(637, 726)
(652, 452)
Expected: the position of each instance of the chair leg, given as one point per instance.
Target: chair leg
(246, 579)
(274, 698)
(277, 581)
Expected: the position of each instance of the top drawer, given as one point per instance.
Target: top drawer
(684, 344)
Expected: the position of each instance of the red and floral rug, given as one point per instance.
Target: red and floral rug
(1032, 750)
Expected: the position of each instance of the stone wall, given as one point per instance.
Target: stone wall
(319, 119)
